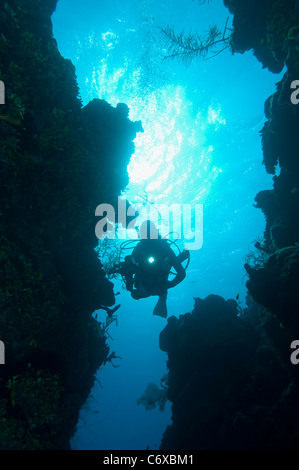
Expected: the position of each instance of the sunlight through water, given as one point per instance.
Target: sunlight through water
(173, 143)
(200, 145)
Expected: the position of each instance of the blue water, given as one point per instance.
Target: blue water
(201, 144)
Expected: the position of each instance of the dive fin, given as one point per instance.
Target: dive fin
(161, 307)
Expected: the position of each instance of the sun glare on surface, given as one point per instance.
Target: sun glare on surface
(173, 160)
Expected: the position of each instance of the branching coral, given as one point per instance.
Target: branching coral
(187, 47)
(108, 252)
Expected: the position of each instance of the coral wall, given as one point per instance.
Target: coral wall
(276, 44)
(231, 381)
(58, 162)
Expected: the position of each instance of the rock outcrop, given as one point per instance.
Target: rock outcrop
(227, 385)
(231, 382)
(58, 162)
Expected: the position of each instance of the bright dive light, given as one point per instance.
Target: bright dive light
(151, 260)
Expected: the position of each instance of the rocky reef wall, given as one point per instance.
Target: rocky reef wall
(274, 283)
(231, 381)
(58, 162)
(227, 387)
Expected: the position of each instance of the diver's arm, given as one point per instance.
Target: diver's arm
(127, 269)
(129, 282)
(180, 274)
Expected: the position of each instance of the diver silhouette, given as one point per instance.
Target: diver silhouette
(146, 270)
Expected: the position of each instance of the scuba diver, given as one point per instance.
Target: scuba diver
(146, 270)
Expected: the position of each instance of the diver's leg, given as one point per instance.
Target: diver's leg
(161, 307)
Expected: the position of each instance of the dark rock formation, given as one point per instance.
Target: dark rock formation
(276, 285)
(231, 380)
(276, 44)
(269, 27)
(58, 162)
(227, 386)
